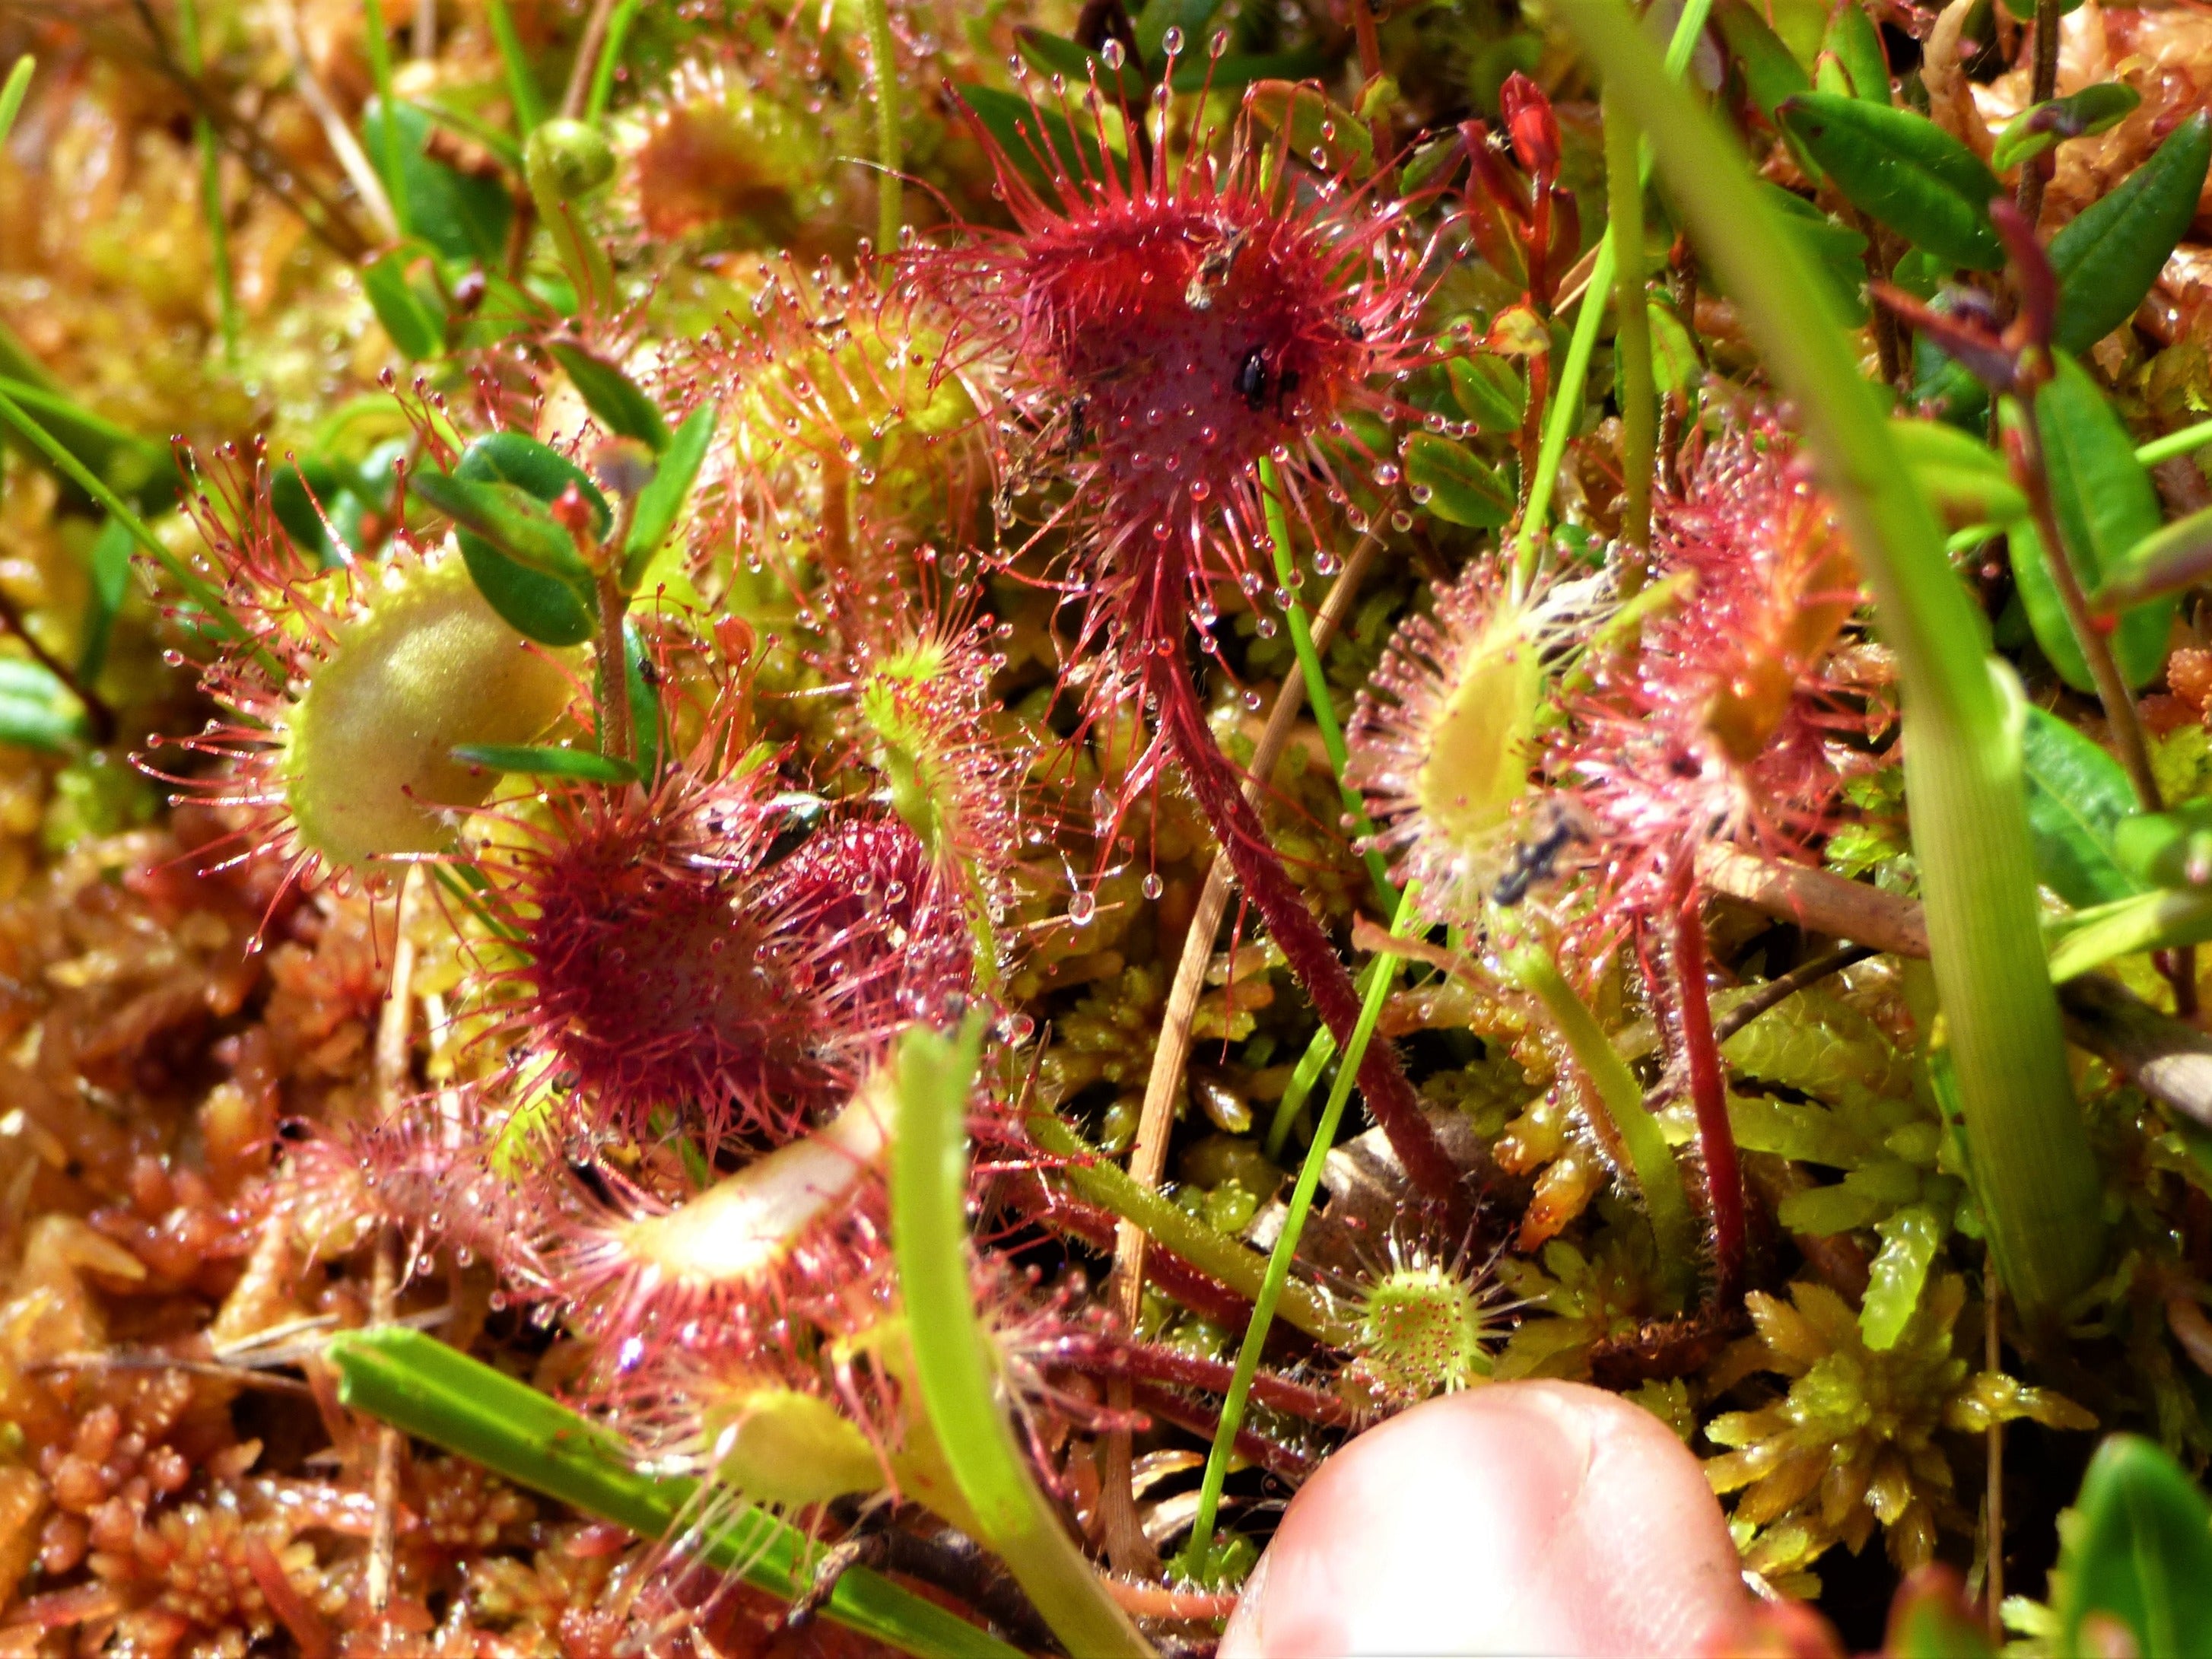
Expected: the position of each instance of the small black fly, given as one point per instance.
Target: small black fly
(1533, 860)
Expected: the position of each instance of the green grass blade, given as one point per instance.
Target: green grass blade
(952, 1359)
(438, 1393)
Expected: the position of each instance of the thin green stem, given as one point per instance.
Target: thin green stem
(2186, 442)
(1614, 1092)
(882, 65)
(1567, 385)
(1196, 1557)
(1105, 1183)
(954, 1362)
(521, 85)
(210, 601)
(1306, 1072)
(436, 1393)
(1963, 767)
(603, 72)
(1309, 665)
(12, 93)
(210, 149)
(380, 74)
(1631, 328)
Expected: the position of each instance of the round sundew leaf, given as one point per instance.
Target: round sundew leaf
(786, 1449)
(368, 768)
(1477, 761)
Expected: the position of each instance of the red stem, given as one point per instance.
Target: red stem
(1168, 1272)
(1709, 1095)
(1154, 1363)
(1279, 1460)
(1312, 958)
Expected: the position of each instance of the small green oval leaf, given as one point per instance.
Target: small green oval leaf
(37, 711)
(2078, 799)
(1968, 482)
(1489, 391)
(1453, 484)
(2167, 849)
(415, 321)
(2108, 255)
(2141, 1554)
(612, 396)
(2150, 921)
(2094, 109)
(1905, 171)
(1856, 46)
(2173, 559)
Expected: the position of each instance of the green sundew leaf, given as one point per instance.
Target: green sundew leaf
(1044, 148)
(546, 761)
(1837, 251)
(661, 502)
(464, 218)
(1856, 44)
(1910, 1240)
(2108, 255)
(2150, 921)
(2105, 505)
(1055, 54)
(110, 574)
(1771, 74)
(2077, 797)
(1448, 479)
(1903, 170)
(1926, 1621)
(2140, 1555)
(2037, 128)
(414, 319)
(36, 710)
(1674, 364)
(612, 396)
(124, 462)
(2176, 558)
(1969, 482)
(1489, 391)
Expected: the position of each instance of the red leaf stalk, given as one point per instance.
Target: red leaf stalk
(1708, 1097)
(1312, 958)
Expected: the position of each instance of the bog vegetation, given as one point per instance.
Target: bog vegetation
(799, 803)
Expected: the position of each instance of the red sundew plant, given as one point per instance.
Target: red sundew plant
(1164, 331)
(1727, 723)
(1723, 724)
(345, 702)
(664, 964)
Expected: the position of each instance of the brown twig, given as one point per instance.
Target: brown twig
(96, 710)
(2036, 173)
(587, 58)
(1783, 988)
(393, 1068)
(1125, 1541)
